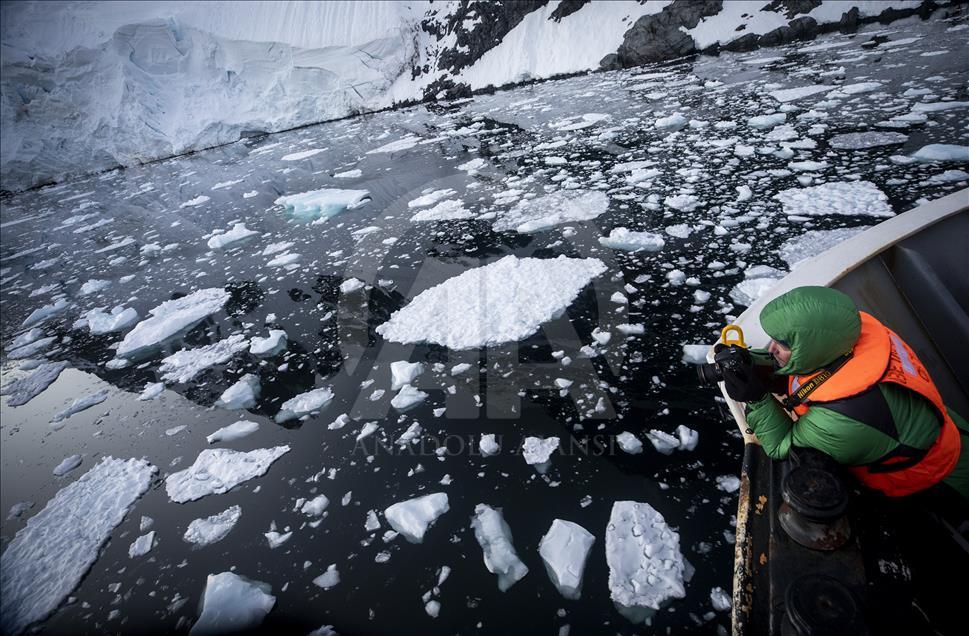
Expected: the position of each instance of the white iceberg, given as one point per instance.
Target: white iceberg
(50, 555)
(646, 567)
(413, 517)
(232, 604)
(208, 530)
(185, 364)
(170, 319)
(565, 549)
(494, 536)
(504, 301)
(663, 441)
(218, 470)
(323, 203)
(304, 404)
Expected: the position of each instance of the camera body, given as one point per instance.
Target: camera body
(729, 358)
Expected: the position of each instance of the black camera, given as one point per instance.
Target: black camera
(728, 358)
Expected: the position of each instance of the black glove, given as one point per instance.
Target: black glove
(740, 379)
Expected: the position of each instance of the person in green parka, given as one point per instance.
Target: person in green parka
(817, 328)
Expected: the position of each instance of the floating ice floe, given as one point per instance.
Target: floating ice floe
(629, 443)
(474, 166)
(408, 397)
(51, 554)
(403, 372)
(93, 286)
(758, 280)
(662, 441)
(488, 445)
(170, 319)
(191, 203)
(303, 154)
(239, 232)
(865, 140)
(855, 198)
(328, 579)
(682, 202)
(351, 285)
(25, 389)
(728, 483)
(315, 506)
(542, 213)
(185, 364)
(565, 549)
(349, 174)
(241, 395)
(81, 404)
(538, 451)
(646, 567)
(232, 604)
(621, 238)
(793, 94)
(406, 143)
(932, 152)
(304, 404)
(695, 353)
(41, 314)
(720, 600)
(30, 349)
(269, 346)
(814, 242)
(67, 465)
(151, 391)
(101, 322)
(502, 302)
(688, 437)
(207, 530)
(676, 121)
(323, 203)
(430, 198)
(766, 121)
(142, 545)
(450, 210)
(218, 470)
(413, 517)
(855, 89)
(232, 432)
(494, 536)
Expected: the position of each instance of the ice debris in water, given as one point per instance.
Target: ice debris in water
(185, 364)
(814, 242)
(504, 301)
(758, 280)
(234, 431)
(304, 404)
(494, 536)
(728, 483)
(629, 443)
(67, 465)
(315, 506)
(408, 397)
(542, 213)
(695, 353)
(323, 203)
(142, 545)
(720, 600)
(646, 567)
(232, 604)
(403, 372)
(80, 404)
(208, 530)
(170, 319)
(938, 152)
(564, 549)
(51, 554)
(450, 210)
(412, 518)
(152, 390)
(488, 445)
(621, 238)
(241, 395)
(269, 346)
(537, 451)
(328, 579)
(865, 140)
(23, 390)
(351, 285)
(239, 232)
(218, 470)
(41, 314)
(101, 322)
(853, 198)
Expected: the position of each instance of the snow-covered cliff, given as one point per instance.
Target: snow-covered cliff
(93, 85)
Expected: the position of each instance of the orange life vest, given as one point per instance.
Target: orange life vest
(880, 355)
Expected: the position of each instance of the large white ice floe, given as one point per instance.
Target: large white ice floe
(304, 404)
(241, 395)
(232, 604)
(941, 152)
(413, 517)
(621, 238)
(239, 232)
(494, 536)
(51, 554)
(855, 198)
(23, 390)
(207, 530)
(646, 567)
(170, 319)
(542, 213)
(564, 549)
(218, 470)
(323, 203)
(185, 364)
(505, 301)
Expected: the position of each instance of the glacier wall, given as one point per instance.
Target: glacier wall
(89, 86)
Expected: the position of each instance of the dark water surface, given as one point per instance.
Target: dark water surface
(640, 381)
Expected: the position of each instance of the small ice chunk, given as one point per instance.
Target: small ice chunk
(152, 390)
(629, 443)
(101, 322)
(67, 465)
(865, 140)
(185, 364)
(328, 579)
(269, 346)
(407, 398)
(234, 431)
(403, 372)
(494, 536)
(935, 152)
(621, 238)
(676, 121)
(433, 608)
(683, 203)
(728, 483)
(171, 318)
(544, 212)
(413, 517)
(93, 286)
(564, 549)
(766, 121)
(142, 545)
(695, 353)
(241, 395)
(232, 604)
(662, 441)
(207, 530)
(239, 232)
(538, 450)
(23, 390)
(304, 403)
(218, 470)
(323, 203)
(351, 285)
(458, 369)
(450, 210)
(688, 437)
(41, 314)
(720, 600)
(488, 445)
(81, 404)
(315, 506)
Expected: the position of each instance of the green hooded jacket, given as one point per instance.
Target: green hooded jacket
(819, 325)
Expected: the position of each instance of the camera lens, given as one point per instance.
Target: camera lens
(709, 373)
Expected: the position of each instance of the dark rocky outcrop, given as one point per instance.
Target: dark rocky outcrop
(658, 37)
(792, 8)
(567, 8)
